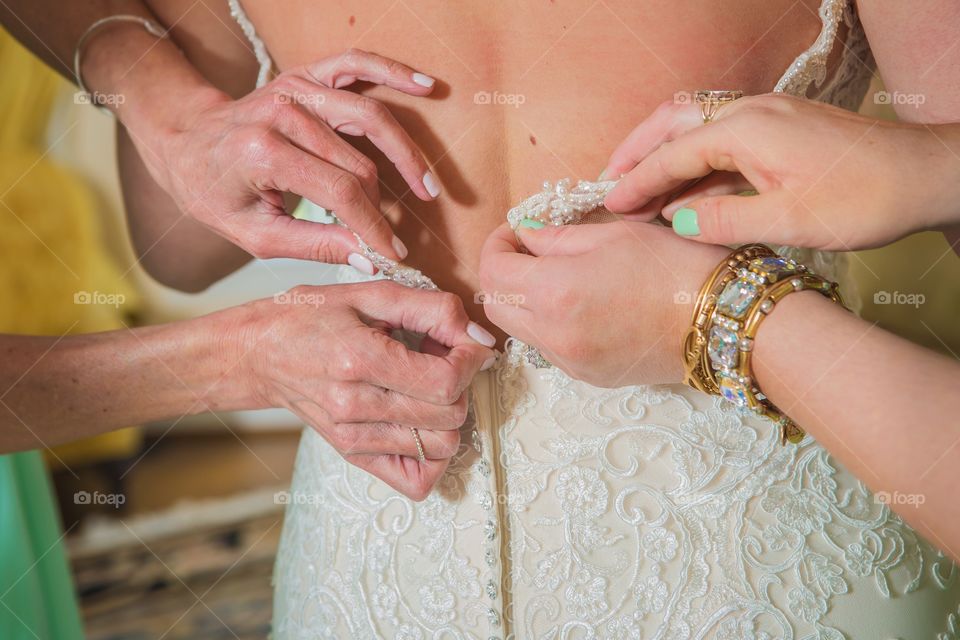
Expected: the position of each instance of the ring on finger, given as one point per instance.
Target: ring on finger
(710, 101)
(416, 438)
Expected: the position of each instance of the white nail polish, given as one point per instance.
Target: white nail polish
(360, 263)
(431, 184)
(399, 247)
(488, 363)
(481, 335)
(423, 80)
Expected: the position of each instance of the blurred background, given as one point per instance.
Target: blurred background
(172, 527)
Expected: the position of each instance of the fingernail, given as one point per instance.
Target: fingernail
(431, 184)
(423, 80)
(530, 223)
(480, 334)
(399, 247)
(489, 363)
(360, 263)
(685, 222)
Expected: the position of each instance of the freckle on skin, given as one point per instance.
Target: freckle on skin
(533, 140)
(352, 21)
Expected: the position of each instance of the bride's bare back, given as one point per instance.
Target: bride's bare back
(526, 91)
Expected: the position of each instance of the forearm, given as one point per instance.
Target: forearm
(61, 389)
(885, 407)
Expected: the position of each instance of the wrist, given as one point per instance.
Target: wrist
(146, 82)
(221, 364)
(236, 334)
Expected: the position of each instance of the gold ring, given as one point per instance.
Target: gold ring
(416, 438)
(710, 101)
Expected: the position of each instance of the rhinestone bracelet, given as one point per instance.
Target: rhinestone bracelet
(718, 348)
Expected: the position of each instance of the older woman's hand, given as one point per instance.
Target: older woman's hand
(607, 303)
(827, 178)
(326, 354)
(227, 163)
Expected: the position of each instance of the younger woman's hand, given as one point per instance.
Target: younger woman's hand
(827, 178)
(607, 303)
(326, 354)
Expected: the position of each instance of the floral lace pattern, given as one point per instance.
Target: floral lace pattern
(639, 512)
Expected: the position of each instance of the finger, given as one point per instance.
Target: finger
(437, 314)
(288, 169)
(358, 115)
(718, 183)
(383, 438)
(388, 363)
(668, 121)
(364, 403)
(408, 476)
(672, 165)
(355, 64)
(738, 219)
(571, 240)
(311, 134)
(273, 233)
(506, 269)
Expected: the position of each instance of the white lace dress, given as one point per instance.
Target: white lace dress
(573, 512)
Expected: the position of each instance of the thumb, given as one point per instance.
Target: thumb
(569, 240)
(268, 235)
(732, 219)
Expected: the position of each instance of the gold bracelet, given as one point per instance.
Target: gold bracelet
(697, 369)
(750, 283)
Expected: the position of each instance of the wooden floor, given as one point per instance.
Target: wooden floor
(190, 555)
(207, 584)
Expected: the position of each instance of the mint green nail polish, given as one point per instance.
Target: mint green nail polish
(529, 223)
(685, 222)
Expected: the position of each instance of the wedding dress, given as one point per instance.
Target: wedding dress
(642, 512)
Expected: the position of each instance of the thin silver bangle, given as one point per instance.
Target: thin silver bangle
(151, 27)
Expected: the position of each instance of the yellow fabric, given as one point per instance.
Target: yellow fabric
(50, 243)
